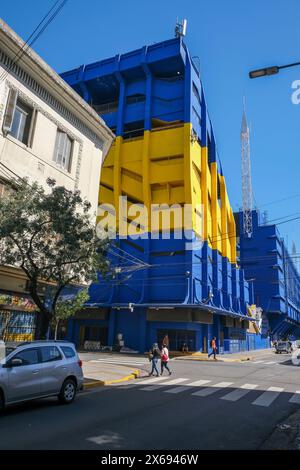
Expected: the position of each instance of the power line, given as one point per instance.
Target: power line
(280, 200)
(30, 42)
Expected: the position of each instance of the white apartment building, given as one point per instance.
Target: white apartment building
(46, 130)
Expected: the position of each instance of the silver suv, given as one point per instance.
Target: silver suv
(40, 369)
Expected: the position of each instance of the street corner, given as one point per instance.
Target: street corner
(90, 382)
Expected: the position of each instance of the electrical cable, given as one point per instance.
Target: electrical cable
(28, 44)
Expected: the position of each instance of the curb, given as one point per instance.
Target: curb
(103, 383)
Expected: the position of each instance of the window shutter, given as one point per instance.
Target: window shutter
(10, 110)
(32, 128)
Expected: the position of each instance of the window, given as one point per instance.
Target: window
(50, 353)
(18, 119)
(68, 352)
(28, 357)
(63, 150)
(21, 122)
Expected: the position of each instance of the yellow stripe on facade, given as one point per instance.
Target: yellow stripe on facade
(165, 166)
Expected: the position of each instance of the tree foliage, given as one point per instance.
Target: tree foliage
(49, 234)
(67, 306)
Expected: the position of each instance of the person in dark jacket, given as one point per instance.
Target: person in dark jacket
(154, 356)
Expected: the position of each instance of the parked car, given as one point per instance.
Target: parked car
(283, 346)
(40, 369)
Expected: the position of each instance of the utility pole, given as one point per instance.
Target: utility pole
(246, 177)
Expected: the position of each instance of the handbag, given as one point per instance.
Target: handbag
(164, 358)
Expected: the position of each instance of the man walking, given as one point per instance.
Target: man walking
(213, 345)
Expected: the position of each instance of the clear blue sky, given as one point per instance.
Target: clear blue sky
(230, 37)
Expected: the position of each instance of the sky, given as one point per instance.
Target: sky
(230, 38)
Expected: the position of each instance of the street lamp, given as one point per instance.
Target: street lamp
(270, 70)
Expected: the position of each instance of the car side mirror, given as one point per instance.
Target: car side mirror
(13, 363)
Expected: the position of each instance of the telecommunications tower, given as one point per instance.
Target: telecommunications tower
(246, 178)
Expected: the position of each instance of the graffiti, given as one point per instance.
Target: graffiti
(16, 301)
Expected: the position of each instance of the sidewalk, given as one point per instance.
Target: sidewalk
(234, 357)
(286, 435)
(101, 374)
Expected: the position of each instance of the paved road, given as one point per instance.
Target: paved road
(200, 406)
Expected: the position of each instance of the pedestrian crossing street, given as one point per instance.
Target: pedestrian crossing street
(228, 391)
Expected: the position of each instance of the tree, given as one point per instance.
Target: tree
(66, 308)
(50, 236)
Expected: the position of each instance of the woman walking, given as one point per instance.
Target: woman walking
(154, 355)
(164, 359)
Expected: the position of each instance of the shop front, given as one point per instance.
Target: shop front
(17, 317)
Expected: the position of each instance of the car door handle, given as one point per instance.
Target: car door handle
(36, 371)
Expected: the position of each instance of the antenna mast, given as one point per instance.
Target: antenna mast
(180, 28)
(246, 177)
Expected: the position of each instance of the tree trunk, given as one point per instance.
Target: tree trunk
(56, 330)
(42, 325)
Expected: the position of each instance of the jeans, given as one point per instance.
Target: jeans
(154, 366)
(214, 352)
(164, 364)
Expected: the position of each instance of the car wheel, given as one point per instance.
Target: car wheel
(68, 392)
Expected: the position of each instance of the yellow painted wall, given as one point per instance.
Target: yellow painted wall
(165, 166)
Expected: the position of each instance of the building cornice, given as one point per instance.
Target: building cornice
(50, 87)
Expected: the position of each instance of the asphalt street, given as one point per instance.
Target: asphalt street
(202, 405)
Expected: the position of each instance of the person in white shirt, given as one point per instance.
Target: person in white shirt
(164, 356)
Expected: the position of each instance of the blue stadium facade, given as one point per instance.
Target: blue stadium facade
(164, 153)
(275, 278)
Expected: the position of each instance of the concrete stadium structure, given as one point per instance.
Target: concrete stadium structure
(164, 153)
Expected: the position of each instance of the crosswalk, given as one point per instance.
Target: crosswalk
(265, 396)
(263, 363)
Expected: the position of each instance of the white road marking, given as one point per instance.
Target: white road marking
(153, 380)
(266, 398)
(257, 362)
(198, 383)
(210, 390)
(271, 362)
(239, 393)
(155, 387)
(295, 398)
(180, 389)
